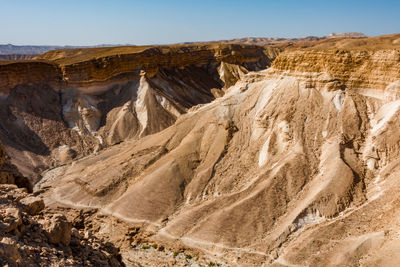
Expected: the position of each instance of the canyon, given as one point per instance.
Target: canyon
(206, 154)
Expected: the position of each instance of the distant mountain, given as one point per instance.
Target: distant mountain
(29, 50)
(272, 41)
(347, 34)
(17, 56)
(9, 49)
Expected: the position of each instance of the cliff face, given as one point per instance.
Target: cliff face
(63, 69)
(151, 59)
(27, 73)
(287, 168)
(359, 70)
(69, 103)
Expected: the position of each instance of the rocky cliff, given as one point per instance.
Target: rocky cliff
(105, 63)
(361, 70)
(17, 73)
(70, 103)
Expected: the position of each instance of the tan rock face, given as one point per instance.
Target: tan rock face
(58, 229)
(13, 74)
(11, 219)
(32, 205)
(355, 69)
(80, 67)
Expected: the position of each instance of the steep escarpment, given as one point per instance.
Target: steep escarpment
(13, 73)
(359, 70)
(150, 59)
(285, 169)
(70, 103)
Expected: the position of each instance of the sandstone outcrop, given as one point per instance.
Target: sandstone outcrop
(13, 74)
(361, 71)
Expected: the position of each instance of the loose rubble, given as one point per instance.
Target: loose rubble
(31, 235)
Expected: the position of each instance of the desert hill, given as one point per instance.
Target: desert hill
(23, 50)
(240, 155)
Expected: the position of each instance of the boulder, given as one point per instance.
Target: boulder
(9, 250)
(32, 205)
(10, 219)
(58, 229)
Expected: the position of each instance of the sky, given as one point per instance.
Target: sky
(91, 22)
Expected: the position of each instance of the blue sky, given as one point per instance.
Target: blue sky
(89, 22)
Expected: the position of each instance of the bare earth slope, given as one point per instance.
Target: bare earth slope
(295, 165)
